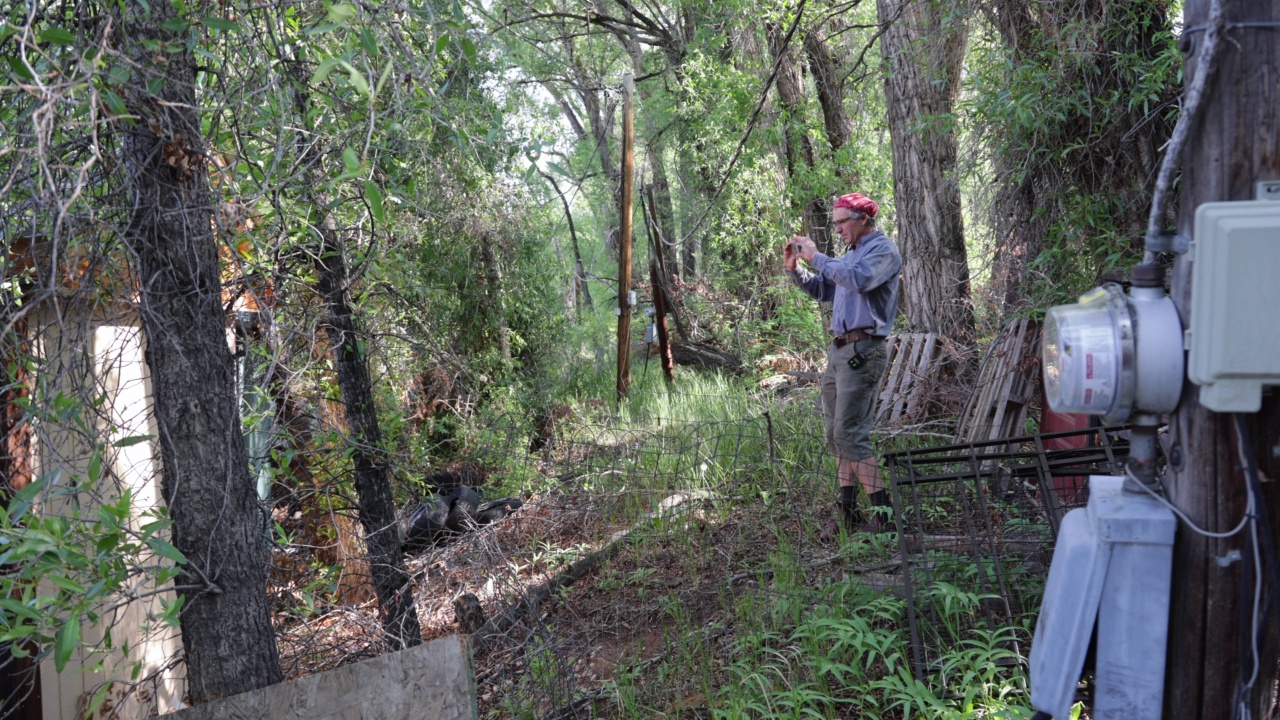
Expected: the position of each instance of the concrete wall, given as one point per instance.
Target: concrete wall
(434, 681)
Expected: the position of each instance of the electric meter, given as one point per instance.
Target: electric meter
(1112, 354)
(1088, 354)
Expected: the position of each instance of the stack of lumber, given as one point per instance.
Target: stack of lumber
(1006, 384)
(912, 360)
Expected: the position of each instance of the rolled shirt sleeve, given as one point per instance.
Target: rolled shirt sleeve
(862, 284)
(813, 285)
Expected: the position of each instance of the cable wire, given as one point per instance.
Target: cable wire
(1248, 512)
(1263, 546)
(1195, 93)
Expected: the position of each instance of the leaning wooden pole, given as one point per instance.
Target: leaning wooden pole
(660, 322)
(1232, 145)
(657, 241)
(624, 236)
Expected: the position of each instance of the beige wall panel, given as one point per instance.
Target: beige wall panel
(434, 681)
(84, 359)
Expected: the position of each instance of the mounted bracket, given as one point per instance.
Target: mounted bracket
(1168, 243)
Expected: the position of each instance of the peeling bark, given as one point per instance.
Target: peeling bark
(923, 45)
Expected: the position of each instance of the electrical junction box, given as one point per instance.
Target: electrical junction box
(1113, 567)
(1234, 337)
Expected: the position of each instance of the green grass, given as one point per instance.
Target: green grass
(800, 642)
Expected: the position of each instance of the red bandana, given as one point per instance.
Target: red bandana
(859, 203)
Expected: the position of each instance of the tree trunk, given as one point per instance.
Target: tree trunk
(217, 522)
(493, 291)
(1232, 144)
(372, 476)
(581, 291)
(830, 87)
(1104, 154)
(571, 115)
(695, 184)
(15, 391)
(660, 193)
(923, 46)
(374, 502)
(599, 112)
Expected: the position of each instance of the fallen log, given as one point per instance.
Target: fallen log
(704, 356)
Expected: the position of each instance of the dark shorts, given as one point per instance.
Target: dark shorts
(849, 398)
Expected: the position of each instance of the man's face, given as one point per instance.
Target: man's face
(850, 226)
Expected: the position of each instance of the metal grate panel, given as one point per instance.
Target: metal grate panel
(976, 525)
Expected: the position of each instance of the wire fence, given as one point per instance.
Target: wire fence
(591, 486)
(974, 519)
(977, 517)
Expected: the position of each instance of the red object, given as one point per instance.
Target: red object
(858, 202)
(1071, 490)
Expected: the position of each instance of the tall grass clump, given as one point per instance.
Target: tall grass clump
(846, 655)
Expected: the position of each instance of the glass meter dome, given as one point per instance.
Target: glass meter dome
(1087, 355)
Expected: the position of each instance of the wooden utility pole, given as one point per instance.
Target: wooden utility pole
(1234, 143)
(624, 236)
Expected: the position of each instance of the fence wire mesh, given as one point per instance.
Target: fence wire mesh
(596, 485)
(978, 521)
(978, 518)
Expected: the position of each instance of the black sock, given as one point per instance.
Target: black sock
(880, 498)
(849, 505)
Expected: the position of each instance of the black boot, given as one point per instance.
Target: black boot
(851, 516)
(850, 511)
(882, 510)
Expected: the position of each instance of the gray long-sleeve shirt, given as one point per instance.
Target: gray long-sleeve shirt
(862, 284)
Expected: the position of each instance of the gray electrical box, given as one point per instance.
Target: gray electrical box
(1234, 337)
(1113, 567)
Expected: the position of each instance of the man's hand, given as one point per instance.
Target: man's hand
(803, 247)
(790, 258)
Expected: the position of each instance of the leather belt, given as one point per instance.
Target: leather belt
(853, 336)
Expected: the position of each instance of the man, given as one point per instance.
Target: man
(863, 285)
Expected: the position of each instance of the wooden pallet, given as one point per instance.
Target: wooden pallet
(1006, 384)
(912, 357)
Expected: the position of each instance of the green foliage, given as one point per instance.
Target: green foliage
(846, 651)
(1070, 120)
(419, 133)
(800, 643)
(74, 559)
